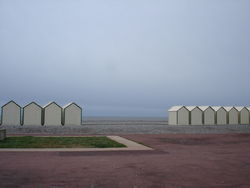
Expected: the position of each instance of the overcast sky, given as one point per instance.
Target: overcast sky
(125, 58)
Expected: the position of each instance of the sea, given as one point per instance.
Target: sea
(124, 120)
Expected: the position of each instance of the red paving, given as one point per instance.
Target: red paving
(178, 161)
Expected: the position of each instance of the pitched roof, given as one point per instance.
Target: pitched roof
(32, 103)
(175, 108)
(11, 102)
(71, 103)
(228, 108)
(239, 108)
(216, 108)
(203, 108)
(50, 103)
(190, 108)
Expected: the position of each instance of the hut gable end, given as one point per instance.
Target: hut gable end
(11, 114)
(32, 114)
(72, 114)
(52, 114)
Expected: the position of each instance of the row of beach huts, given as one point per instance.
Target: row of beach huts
(34, 114)
(208, 115)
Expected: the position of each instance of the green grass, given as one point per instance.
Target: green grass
(58, 142)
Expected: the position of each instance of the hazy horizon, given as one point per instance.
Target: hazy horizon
(125, 58)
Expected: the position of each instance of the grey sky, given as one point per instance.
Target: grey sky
(125, 58)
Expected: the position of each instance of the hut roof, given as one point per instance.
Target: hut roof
(190, 108)
(203, 108)
(11, 102)
(50, 103)
(175, 108)
(239, 108)
(32, 103)
(216, 108)
(229, 108)
(71, 103)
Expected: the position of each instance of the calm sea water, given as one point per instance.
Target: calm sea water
(125, 120)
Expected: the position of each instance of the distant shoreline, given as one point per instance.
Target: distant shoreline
(124, 118)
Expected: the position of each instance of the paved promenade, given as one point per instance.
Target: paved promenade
(182, 157)
(177, 161)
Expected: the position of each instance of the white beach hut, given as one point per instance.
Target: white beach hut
(11, 114)
(208, 115)
(32, 114)
(221, 115)
(172, 115)
(233, 115)
(249, 113)
(52, 114)
(243, 114)
(72, 114)
(183, 116)
(195, 115)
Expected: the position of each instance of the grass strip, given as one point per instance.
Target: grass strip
(59, 142)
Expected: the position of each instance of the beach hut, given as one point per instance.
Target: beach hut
(32, 114)
(233, 115)
(208, 115)
(172, 115)
(52, 114)
(195, 115)
(11, 114)
(243, 114)
(72, 114)
(221, 115)
(183, 116)
(249, 112)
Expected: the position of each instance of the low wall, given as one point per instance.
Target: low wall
(2, 134)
